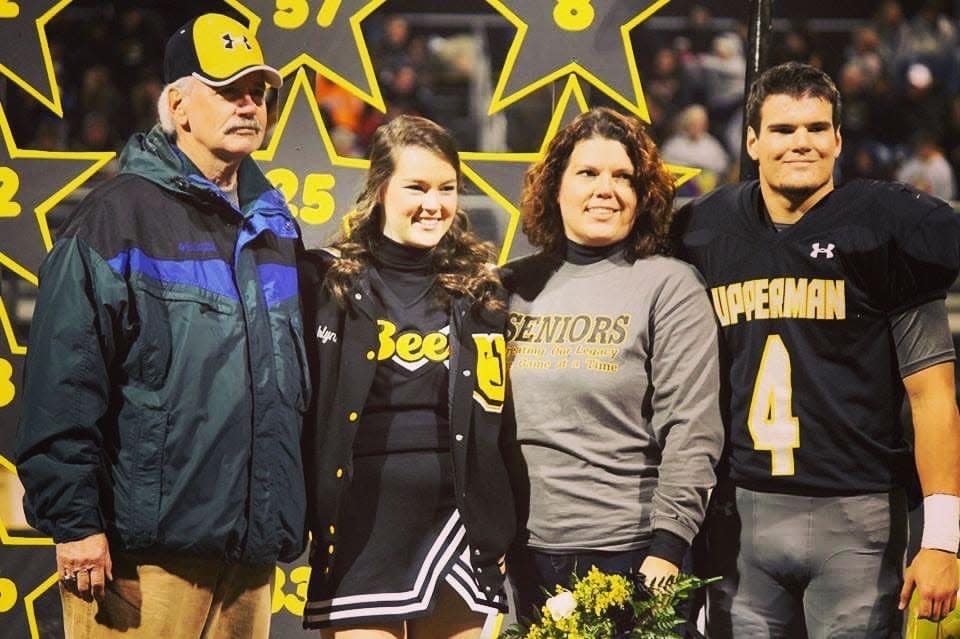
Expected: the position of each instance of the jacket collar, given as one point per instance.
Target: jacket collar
(154, 156)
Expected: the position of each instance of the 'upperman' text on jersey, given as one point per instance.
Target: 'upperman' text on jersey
(787, 297)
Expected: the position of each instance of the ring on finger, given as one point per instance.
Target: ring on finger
(68, 577)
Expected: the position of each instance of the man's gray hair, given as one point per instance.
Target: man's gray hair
(183, 85)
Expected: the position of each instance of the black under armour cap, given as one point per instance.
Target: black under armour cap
(216, 50)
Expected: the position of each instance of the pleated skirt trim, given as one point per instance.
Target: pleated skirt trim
(442, 562)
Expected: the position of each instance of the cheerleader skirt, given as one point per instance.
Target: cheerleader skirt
(401, 539)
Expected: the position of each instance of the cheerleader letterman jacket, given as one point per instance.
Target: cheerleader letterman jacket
(342, 346)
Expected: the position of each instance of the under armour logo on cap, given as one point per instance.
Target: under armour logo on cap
(229, 41)
(216, 50)
(816, 250)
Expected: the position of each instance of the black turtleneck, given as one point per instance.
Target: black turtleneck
(583, 255)
(406, 270)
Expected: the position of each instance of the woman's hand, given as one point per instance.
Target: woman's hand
(654, 569)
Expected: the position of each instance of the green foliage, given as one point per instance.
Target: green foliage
(602, 606)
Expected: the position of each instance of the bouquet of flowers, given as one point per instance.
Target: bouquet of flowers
(602, 606)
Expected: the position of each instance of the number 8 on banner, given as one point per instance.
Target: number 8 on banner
(573, 15)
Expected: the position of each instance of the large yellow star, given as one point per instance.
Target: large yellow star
(500, 175)
(32, 183)
(555, 39)
(24, 52)
(302, 162)
(327, 38)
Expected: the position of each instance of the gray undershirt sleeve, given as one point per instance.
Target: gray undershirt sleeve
(922, 337)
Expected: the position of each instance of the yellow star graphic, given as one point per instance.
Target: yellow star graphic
(29, 600)
(556, 33)
(512, 166)
(17, 19)
(35, 181)
(303, 164)
(326, 51)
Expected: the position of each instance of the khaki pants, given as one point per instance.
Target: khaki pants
(174, 597)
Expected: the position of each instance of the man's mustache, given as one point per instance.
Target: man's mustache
(245, 123)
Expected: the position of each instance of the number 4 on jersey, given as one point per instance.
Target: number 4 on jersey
(772, 423)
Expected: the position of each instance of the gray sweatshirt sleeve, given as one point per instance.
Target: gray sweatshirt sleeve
(686, 412)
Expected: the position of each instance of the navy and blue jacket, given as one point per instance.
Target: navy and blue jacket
(165, 378)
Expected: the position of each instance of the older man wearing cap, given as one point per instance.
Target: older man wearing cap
(164, 385)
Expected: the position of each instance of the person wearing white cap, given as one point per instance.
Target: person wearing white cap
(159, 441)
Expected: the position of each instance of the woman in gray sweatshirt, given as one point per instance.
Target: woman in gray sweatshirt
(612, 355)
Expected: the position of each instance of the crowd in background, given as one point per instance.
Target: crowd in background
(898, 71)
(899, 76)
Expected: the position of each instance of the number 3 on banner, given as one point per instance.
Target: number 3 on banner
(293, 14)
(772, 423)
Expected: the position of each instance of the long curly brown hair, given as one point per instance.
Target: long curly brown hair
(540, 211)
(462, 262)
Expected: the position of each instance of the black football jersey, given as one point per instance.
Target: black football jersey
(814, 388)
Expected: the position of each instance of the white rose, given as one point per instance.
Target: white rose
(561, 605)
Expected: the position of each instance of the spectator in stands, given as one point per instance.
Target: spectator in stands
(927, 169)
(864, 53)
(143, 102)
(692, 144)
(797, 46)
(930, 33)
(699, 29)
(951, 140)
(405, 94)
(390, 52)
(857, 115)
(892, 29)
(344, 110)
(667, 81)
(723, 72)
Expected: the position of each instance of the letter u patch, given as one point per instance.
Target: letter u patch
(490, 385)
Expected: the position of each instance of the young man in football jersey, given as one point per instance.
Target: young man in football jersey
(831, 306)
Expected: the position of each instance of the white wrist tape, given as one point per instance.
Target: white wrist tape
(941, 522)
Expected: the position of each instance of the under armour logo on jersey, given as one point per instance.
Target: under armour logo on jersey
(822, 251)
(230, 42)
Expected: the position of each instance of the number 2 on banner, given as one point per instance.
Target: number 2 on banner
(772, 423)
(293, 14)
(9, 9)
(573, 15)
(9, 185)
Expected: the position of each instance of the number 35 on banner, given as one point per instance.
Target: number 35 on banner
(316, 204)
